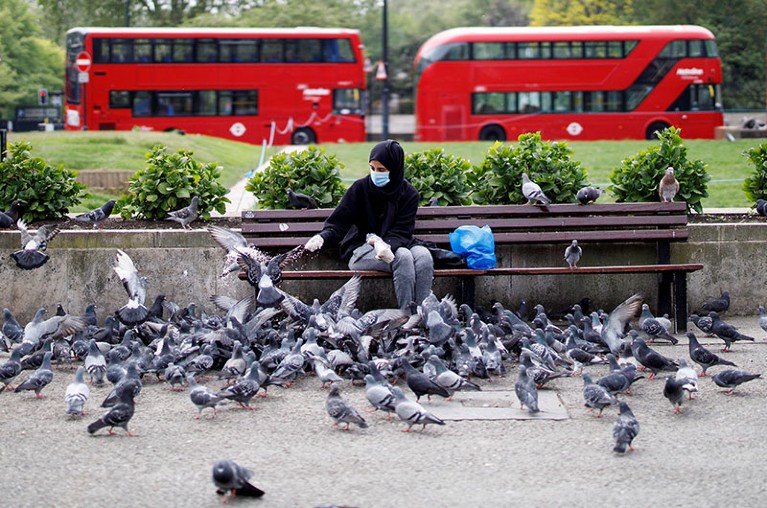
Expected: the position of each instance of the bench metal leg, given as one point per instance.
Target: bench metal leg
(680, 300)
(665, 282)
(468, 287)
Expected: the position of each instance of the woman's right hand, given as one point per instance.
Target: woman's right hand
(314, 243)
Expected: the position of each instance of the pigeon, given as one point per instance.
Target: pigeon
(231, 479)
(202, 396)
(653, 327)
(245, 389)
(449, 380)
(129, 383)
(6, 221)
(762, 318)
(573, 254)
(527, 393)
(77, 394)
(379, 395)
(10, 370)
(617, 320)
(703, 356)
(232, 242)
(703, 323)
(324, 371)
(726, 332)
(596, 396)
(301, 201)
(412, 412)
(720, 304)
(433, 201)
(687, 375)
(420, 383)
(175, 375)
(186, 215)
(11, 329)
(533, 193)
(13, 212)
(625, 429)
(761, 207)
(673, 390)
(95, 363)
(341, 411)
(731, 378)
(132, 313)
(39, 378)
(98, 215)
(118, 415)
(651, 359)
(586, 195)
(32, 254)
(668, 187)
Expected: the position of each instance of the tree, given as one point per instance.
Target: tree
(29, 61)
(582, 12)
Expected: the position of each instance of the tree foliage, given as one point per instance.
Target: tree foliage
(582, 12)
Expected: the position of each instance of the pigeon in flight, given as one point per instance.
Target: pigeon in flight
(703, 356)
(231, 479)
(586, 195)
(533, 193)
(132, 313)
(98, 215)
(186, 215)
(232, 242)
(341, 411)
(668, 187)
(625, 429)
(573, 254)
(32, 254)
(301, 201)
(731, 378)
(77, 394)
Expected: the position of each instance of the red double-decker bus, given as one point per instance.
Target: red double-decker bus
(573, 83)
(298, 85)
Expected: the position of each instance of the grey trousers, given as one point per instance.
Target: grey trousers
(412, 271)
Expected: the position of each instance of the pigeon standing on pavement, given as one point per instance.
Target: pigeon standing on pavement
(118, 415)
(725, 331)
(596, 396)
(379, 395)
(231, 479)
(186, 215)
(703, 356)
(132, 313)
(668, 187)
(526, 392)
(625, 429)
(573, 254)
(586, 195)
(732, 378)
(202, 396)
(533, 193)
(652, 327)
(98, 215)
(341, 411)
(95, 363)
(39, 378)
(412, 412)
(32, 254)
(77, 394)
(673, 390)
(650, 358)
(720, 304)
(301, 201)
(10, 370)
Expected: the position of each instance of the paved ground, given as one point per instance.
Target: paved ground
(710, 455)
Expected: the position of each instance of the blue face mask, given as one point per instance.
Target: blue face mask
(379, 178)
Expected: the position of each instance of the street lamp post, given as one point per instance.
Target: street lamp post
(385, 81)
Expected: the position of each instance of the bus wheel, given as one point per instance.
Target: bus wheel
(654, 129)
(492, 133)
(175, 130)
(303, 136)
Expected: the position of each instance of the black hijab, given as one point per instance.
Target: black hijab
(392, 156)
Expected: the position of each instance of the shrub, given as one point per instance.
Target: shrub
(42, 190)
(638, 176)
(498, 179)
(755, 186)
(438, 175)
(310, 171)
(168, 183)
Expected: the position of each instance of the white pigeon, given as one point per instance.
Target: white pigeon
(573, 254)
(77, 394)
(689, 376)
(533, 193)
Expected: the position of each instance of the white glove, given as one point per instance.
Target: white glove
(314, 243)
(383, 249)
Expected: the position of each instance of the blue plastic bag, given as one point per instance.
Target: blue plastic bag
(476, 245)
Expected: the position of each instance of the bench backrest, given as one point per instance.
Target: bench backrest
(511, 224)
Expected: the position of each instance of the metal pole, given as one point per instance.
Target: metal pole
(385, 82)
(3, 143)
(127, 12)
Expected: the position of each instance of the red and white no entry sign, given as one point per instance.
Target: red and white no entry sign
(83, 61)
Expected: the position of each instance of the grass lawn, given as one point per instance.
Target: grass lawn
(126, 150)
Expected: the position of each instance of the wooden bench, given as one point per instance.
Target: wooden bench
(657, 223)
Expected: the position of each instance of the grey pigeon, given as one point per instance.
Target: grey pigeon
(132, 313)
(586, 195)
(687, 375)
(118, 415)
(732, 378)
(625, 429)
(341, 411)
(526, 392)
(573, 254)
(703, 356)
(301, 201)
(202, 396)
(650, 358)
(719, 304)
(77, 394)
(231, 479)
(13, 212)
(725, 331)
(324, 371)
(449, 380)
(703, 323)
(39, 378)
(653, 327)
(673, 390)
(612, 332)
(5, 221)
(11, 329)
(245, 389)
(761, 207)
(186, 215)
(412, 412)
(232, 242)
(420, 383)
(10, 370)
(98, 215)
(668, 187)
(32, 254)
(596, 396)
(533, 193)
(175, 376)
(379, 395)
(130, 383)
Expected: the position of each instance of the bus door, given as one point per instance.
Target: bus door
(453, 119)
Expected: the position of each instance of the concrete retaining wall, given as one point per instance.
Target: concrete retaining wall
(184, 265)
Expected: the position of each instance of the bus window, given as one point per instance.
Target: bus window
(346, 101)
(457, 51)
(595, 49)
(225, 103)
(674, 49)
(142, 104)
(182, 50)
(142, 50)
(174, 103)
(528, 51)
(695, 49)
(245, 51)
(488, 103)
(488, 50)
(207, 51)
(245, 102)
(206, 103)
(529, 102)
(122, 51)
(561, 49)
(711, 49)
(162, 51)
(100, 50)
(271, 50)
(303, 50)
(615, 49)
(635, 94)
(614, 101)
(119, 100)
(337, 50)
(594, 101)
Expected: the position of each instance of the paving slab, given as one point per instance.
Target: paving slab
(498, 405)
